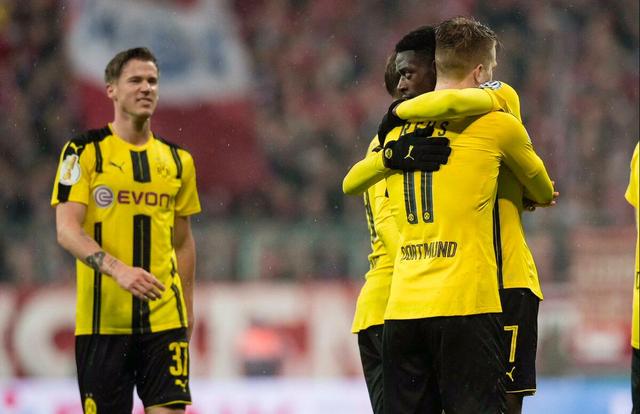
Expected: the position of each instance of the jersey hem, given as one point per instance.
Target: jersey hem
(537, 294)
(128, 331)
(188, 213)
(362, 327)
(423, 316)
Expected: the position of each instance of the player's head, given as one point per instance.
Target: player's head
(414, 62)
(391, 77)
(466, 51)
(132, 82)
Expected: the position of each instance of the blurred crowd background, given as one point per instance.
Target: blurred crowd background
(317, 88)
(317, 95)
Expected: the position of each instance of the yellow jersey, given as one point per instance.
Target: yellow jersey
(632, 196)
(516, 267)
(446, 261)
(132, 194)
(372, 300)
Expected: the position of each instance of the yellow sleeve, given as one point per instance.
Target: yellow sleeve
(385, 224)
(73, 177)
(520, 157)
(187, 201)
(364, 174)
(447, 104)
(632, 190)
(505, 98)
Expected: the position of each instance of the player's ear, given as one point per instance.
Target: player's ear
(477, 74)
(111, 90)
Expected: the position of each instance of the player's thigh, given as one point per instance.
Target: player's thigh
(163, 369)
(409, 379)
(370, 346)
(520, 330)
(471, 365)
(105, 373)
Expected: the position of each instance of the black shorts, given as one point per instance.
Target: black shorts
(109, 366)
(370, 344)
(520, 319)
(635, 380)
(453, 363)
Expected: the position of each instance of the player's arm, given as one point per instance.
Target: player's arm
(411, 152)
(187, 204)
(447, 104)
(522, 160)
(186, 254)
(72, 237)
(364, 174)
(385, 224)
(458, 103)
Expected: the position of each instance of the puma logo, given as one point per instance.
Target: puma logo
(510, 374)
(409, 156)
(117, 166)
(182, 384)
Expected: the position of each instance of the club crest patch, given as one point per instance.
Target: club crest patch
(70, 170)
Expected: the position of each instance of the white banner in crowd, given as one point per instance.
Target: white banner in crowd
(197, 45)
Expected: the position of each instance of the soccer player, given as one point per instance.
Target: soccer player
(416, 48)
(520, 287)
(372, 301)
(443, 329)
(520, 290)
(632, 197)
(123, 197)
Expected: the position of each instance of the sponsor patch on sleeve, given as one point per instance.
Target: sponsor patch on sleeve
(491, 85)
(70, 170)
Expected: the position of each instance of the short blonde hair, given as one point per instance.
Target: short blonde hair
(462, 44)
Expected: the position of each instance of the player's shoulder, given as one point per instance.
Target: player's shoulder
(506, 96)
(173, 147)
(168, 143)
(90, 136)
(78, 143)
(181, 156)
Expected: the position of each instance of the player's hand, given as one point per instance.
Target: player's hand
(531, 205)
(139, 282)
(416, 151)
(389, 121)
